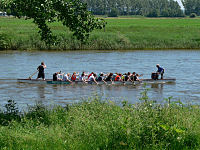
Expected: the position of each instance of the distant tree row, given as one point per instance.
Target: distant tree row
(191, 6)
(149, 8)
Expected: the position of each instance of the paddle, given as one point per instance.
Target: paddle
(32, 75)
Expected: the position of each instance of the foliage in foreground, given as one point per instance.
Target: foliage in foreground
(71, 13)
(97, 124)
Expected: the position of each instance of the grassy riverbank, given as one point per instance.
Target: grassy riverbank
(120, 33)
(97, 124)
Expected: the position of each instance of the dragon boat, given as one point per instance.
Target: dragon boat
(50, 81)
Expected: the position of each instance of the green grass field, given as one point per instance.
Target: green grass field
(98, 124)
(119, 34)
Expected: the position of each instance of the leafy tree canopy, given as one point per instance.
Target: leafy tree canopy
(191, 6)
(72, 13)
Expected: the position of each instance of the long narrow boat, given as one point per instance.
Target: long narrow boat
(50, 81)
(159, 81)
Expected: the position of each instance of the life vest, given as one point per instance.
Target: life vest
(123, 77)
(73, 78)
(117, 78)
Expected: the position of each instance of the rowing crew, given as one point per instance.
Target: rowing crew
(93, 77)
(101, 77)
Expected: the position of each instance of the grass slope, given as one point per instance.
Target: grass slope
(120, 34)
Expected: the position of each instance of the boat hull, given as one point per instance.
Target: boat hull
(159, 81)
(50, 81)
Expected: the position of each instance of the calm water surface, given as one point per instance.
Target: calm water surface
(180, 64)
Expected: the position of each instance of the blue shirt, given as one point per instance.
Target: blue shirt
(160, 69)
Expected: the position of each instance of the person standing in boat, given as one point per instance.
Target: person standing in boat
(160, 71)
(40, 69)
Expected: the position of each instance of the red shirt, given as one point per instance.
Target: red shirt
(89, 75)
(117, 78)
(73, 78)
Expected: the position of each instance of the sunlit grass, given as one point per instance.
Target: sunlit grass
(99, 124)
(120, 33)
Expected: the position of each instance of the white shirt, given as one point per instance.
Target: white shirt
(80, 78)
(59, 76)
(91, 78)
(65, 77)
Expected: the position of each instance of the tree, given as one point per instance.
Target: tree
(191, 6)
(72, 13)
(153, 13)
(113, 13)
(152, 8)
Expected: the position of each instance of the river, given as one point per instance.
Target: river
(180, 64)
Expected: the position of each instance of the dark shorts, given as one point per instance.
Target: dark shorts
(41, 75)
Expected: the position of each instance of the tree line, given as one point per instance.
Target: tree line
(191, 6)
(148, 8)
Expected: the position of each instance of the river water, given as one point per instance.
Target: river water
(180, 64)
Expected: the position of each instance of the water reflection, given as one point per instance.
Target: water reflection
(41, 91)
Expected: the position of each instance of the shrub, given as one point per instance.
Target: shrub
(113, 13)
(153, 13)
(11, 113)
(193, 15)
(4, 42)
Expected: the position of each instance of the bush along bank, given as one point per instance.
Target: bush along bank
(96, 42)
(99, 124)
(111, 41)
